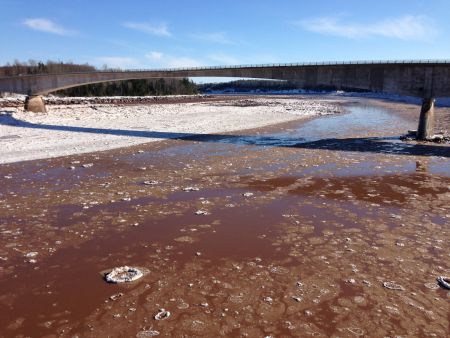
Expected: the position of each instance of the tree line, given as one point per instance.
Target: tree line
(39, 67)
(141, 87)
(247, 85)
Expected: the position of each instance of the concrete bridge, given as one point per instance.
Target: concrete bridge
(424, 79)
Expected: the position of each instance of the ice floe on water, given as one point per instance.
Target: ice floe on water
(187, 189)
(393, 286)
(444, 282)
(124, 274)
(162, 314)
(147, 333)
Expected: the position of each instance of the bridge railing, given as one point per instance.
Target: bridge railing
(296, 64)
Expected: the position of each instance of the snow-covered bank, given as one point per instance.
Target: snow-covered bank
(440, 101)
(66, 129)
(18, 100)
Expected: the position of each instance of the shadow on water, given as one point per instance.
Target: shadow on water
(314, 134)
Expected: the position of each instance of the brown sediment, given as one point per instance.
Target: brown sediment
(306, 253)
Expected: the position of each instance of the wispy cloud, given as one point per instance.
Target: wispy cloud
(118, 61)
(159, 59)
(161, 29)
(183, 61)
(223, 59)
(48, 26)
(154, 56)
(213, 37)
(408, 27)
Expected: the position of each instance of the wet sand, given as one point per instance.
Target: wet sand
(333, 208)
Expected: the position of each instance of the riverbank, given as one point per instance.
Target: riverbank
(85, 125)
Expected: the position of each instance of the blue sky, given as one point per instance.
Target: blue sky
(152, 34)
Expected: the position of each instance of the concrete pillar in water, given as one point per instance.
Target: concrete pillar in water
(426, 119)
(35, 104)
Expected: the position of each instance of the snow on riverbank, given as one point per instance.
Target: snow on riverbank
(73, 129)
(440, 101)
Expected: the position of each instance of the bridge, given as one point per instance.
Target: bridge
(425, 79)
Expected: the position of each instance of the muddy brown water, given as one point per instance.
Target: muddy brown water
(335, 206)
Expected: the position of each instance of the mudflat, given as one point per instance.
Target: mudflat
(325, 226)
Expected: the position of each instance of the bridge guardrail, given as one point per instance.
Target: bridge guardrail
(297, 64)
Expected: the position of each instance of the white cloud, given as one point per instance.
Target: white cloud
(48, 26)
(159, 59)
(223, 59)
(183, 61)
(118, 62)
(152, 29)
(154, 56)
(214, 37)
(406, 27)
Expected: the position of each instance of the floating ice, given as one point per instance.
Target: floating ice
(444, 282)
(147, 333)
(297, 299)
(162, 314)
(153, 182)
(191, 189)
(201, 212)
(31, 254)
(116, 296)
(393, 286)
(123, 274)
(432, 286)
(367, 282)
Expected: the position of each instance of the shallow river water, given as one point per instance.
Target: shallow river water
(330, 227)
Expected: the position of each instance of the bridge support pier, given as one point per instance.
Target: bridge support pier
(35, 104)
(426, 120)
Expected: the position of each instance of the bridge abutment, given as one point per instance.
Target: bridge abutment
(426, 120)
(35, 104)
